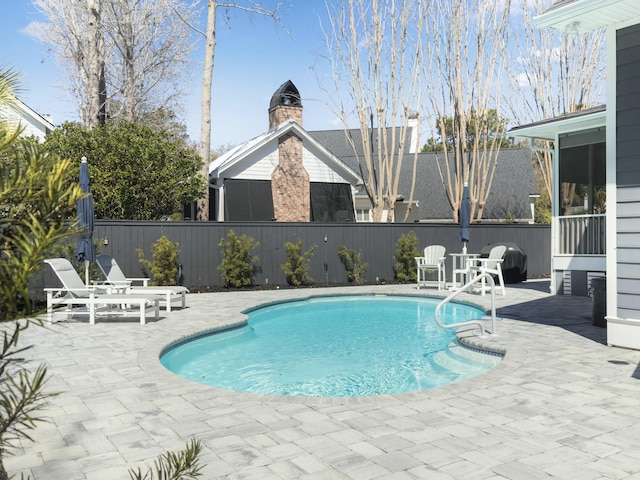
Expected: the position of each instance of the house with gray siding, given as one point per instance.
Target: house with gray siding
(609, 135)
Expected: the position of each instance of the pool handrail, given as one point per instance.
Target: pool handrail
(465, 287)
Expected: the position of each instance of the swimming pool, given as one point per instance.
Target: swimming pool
(334, 346)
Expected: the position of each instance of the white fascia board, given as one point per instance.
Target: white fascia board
(583, 16)
(550, 129)
(237, 154)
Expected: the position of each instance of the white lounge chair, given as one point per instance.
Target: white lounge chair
(491, 265)
(94, 300)
(433, 259)
(115, 277)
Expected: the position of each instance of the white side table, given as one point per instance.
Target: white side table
(460, 270)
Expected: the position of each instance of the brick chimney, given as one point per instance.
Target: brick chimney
(290, 186)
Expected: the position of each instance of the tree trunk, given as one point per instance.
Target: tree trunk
(95, 61)
(130, 73)
(205, 105)
(102, 113)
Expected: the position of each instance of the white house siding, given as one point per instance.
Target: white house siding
(258, 165)
(318, 170)
(33, 125)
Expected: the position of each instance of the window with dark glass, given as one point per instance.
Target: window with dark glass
(583, 179)
(248, 200)
(331, 202)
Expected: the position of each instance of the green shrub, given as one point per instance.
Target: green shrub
(542, 212)
(356, 270)
(137, 173)
(238, 267)
(404, 259)
(297, 266)
(163, 269)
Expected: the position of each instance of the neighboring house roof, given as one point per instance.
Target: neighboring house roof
(32, 122)
(234, 157)
(513, 182)
(336, 140)
(582, 16)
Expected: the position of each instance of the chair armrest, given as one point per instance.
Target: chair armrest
(91, 289)
(145, 281)
(480, 262)
(116, 283)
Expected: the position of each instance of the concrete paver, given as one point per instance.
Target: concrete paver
(561, 404)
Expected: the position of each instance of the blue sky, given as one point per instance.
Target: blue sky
(253, 58)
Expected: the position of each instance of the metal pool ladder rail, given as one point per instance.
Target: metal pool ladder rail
(465, 287)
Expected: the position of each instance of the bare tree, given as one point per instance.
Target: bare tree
(94, 46)
(74, 29)
(129, 54)
(375, 52)
(149, 47)
(466, 58)
(555, 73)
(249, 6)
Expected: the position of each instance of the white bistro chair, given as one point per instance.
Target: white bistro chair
(433, 259)
(491, 265)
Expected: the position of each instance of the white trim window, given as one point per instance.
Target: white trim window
(363, 215)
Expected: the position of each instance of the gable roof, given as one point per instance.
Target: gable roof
(33, 123)
(239, 153)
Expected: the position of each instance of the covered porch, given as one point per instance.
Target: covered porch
(576, 144)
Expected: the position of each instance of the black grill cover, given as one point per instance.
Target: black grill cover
(514, 267)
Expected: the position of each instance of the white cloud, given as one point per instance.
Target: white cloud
(35, 30)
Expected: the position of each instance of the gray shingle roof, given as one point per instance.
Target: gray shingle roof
(513, 182)
(336, 140)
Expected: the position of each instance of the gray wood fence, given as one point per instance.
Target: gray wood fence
(200, 254)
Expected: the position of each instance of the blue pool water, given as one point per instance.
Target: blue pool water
(335, 347)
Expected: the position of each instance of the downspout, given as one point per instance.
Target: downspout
(555, 212)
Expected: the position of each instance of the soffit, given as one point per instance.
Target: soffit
(583, 16)
(573, 122)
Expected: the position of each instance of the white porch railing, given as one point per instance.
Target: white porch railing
(582, 235)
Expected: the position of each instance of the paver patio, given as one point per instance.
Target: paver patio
(561, 404)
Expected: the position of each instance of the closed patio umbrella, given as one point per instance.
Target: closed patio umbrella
(85, 251)
(465, 217)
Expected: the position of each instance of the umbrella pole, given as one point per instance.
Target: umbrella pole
(86, 273)
(464, 247)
